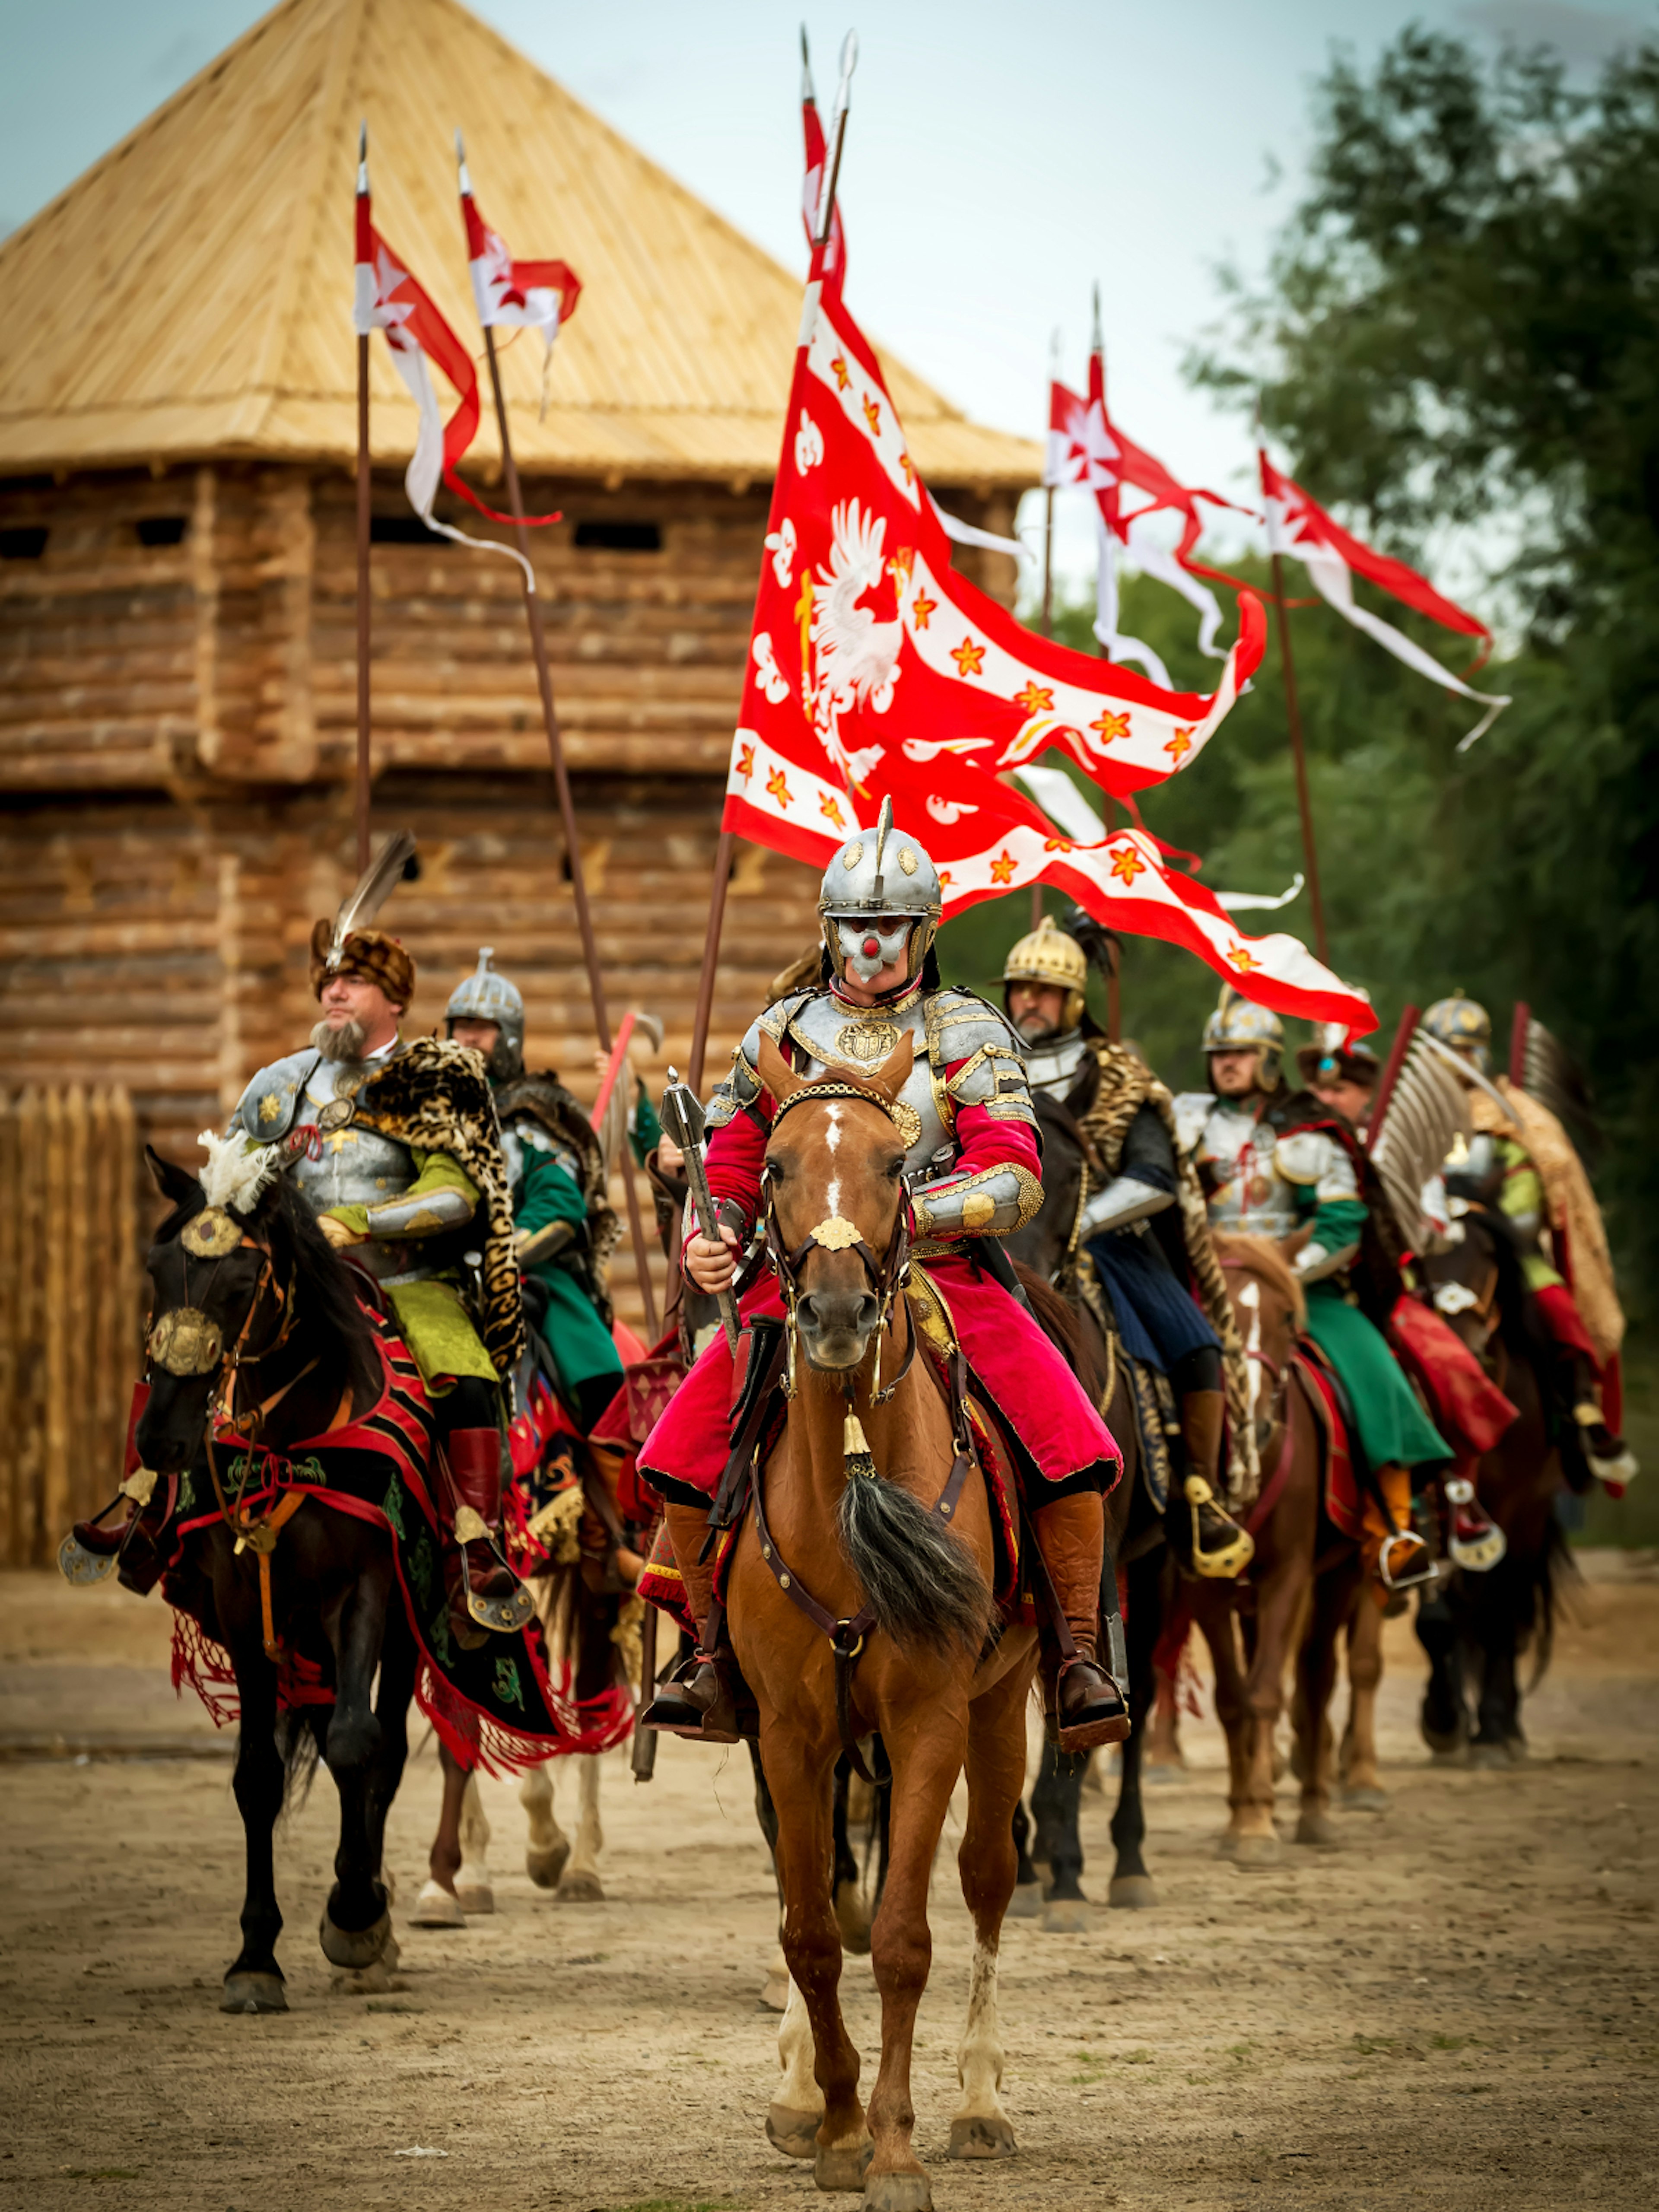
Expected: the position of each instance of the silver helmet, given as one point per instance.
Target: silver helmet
(1465, 1025)
(879, 876)
(1239, 1024)
(486, 996)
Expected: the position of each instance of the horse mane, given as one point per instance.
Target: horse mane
(323, 1287)
(1262, 1254)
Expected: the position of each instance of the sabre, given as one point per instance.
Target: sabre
(683, 1119)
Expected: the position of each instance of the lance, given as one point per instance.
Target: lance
(365, 501)
(726, 843)
(532, 606)
(1109, 811)
(1293, 720)
(1048, 572)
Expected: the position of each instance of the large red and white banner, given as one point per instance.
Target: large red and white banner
(1298, 527)
(875, 670)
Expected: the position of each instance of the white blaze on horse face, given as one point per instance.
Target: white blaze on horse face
(832, 1140)
(1250, 1298)
(981, 2058)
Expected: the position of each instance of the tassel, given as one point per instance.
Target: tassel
(855, 1450)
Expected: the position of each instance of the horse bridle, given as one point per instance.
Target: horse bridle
(887, 1272)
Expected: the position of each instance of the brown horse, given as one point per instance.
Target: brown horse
(896, 1567)
(1301, 1562)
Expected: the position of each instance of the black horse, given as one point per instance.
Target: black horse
(253, 1301)
(1044, 1254)
(1476, 1626)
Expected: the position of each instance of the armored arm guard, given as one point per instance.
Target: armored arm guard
(441, 1197)
(1317, 1164)
(1145, 1183)
(1124, 1201)
(992, 1203)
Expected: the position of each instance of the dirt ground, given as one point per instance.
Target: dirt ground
(1460, 2008)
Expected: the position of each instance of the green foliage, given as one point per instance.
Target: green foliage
(1461, 326)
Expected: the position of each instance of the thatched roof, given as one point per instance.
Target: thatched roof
(189, 295)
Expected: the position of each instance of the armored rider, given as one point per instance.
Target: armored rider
(397, 1150)
(1142, 1223)
(1544, 1195)
(974, 1165)
(1280, 1164)
(565, 1230)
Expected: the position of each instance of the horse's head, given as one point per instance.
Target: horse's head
(834, 1184)
(226, 1270)
(1271, 1312)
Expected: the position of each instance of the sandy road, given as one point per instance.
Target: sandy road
(1461, 2007)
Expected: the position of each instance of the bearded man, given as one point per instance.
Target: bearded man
(1143, 1225)
(397, 1151)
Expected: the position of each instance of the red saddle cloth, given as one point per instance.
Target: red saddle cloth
(1467, 1405)
(1344, 1505)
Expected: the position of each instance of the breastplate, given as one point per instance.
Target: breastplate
(1244, 1189)
(1053, 1067)
(838, 1036)
(354, 1166)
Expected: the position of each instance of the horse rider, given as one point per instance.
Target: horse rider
(396, 1149)
(1281, 1164)
(564, 1229)
(1544, 1195)
(974, 1170)
(1142, 1223)
(1344, 1076)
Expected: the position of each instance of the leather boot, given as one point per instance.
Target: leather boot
(1084, 1703)
(697, 1701)
(491, 1593)
(1205, 1540)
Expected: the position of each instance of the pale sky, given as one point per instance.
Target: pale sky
(1000, 157)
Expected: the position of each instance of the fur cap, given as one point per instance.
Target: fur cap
(369, 953)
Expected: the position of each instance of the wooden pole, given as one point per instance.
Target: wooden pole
(532, 606)
(1293, 715)
(364, 491)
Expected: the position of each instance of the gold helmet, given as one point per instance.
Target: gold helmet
(1049, 956)
(1465, 1025)
(1239, 1024)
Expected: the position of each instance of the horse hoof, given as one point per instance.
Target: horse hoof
(1319, 1830)
(897, 2192)
(545, 1863)
(1366, 1798)
(852, 1920)
(1132, 1893)
(1490, 1757)
(1252, 1853)
(1065, 1916)
(374, 1980)
(253, 1993)
(1444, 1743)
(353, 1946)
(844, 2166)
(775, 1995)
(795, 2134)
(437, 1907)
(581, 1886)
(1026, 1902)
(475, 1898)
(976, 2137)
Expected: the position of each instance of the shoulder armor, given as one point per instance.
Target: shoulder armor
(740, 1087)
(1193, 1109)
(266, 1108)
(1308, 1156)
(960, 1023)
(776, 1020)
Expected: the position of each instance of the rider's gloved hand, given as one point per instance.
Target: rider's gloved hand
(710, 1265)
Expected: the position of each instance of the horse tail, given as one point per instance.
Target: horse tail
(299, 1733)
(923, 1585)
(1554, 1567)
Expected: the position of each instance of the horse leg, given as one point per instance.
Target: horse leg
(474, 1892)
(1220, 1630)
(253, 1982)
(1132, 1886)
(1362, 1786)
(853, 1915)
(438, 1905)
(356, 1922)
(581, 1884)
(996, 1770)
(549, 1847)
(1443, 1719)
(1333, 1599)
(1028, 1889)
(1495, 1607)
(797, 2110)
(774, 1995)
(797, 1785)
(1280, 1600)
(392, 1704)
(1056, 1805)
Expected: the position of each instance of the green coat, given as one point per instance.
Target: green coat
(577, 1339)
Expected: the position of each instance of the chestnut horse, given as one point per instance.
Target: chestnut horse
(865, 1539)
(1302, 1564)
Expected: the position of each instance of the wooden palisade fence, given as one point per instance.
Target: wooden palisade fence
(70, 1310)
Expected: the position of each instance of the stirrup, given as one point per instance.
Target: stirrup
(1229, 1558)
(1478, 1551)
(716, 1722)
(1097, 1724)
(1425, 1571)
(506, 1612)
